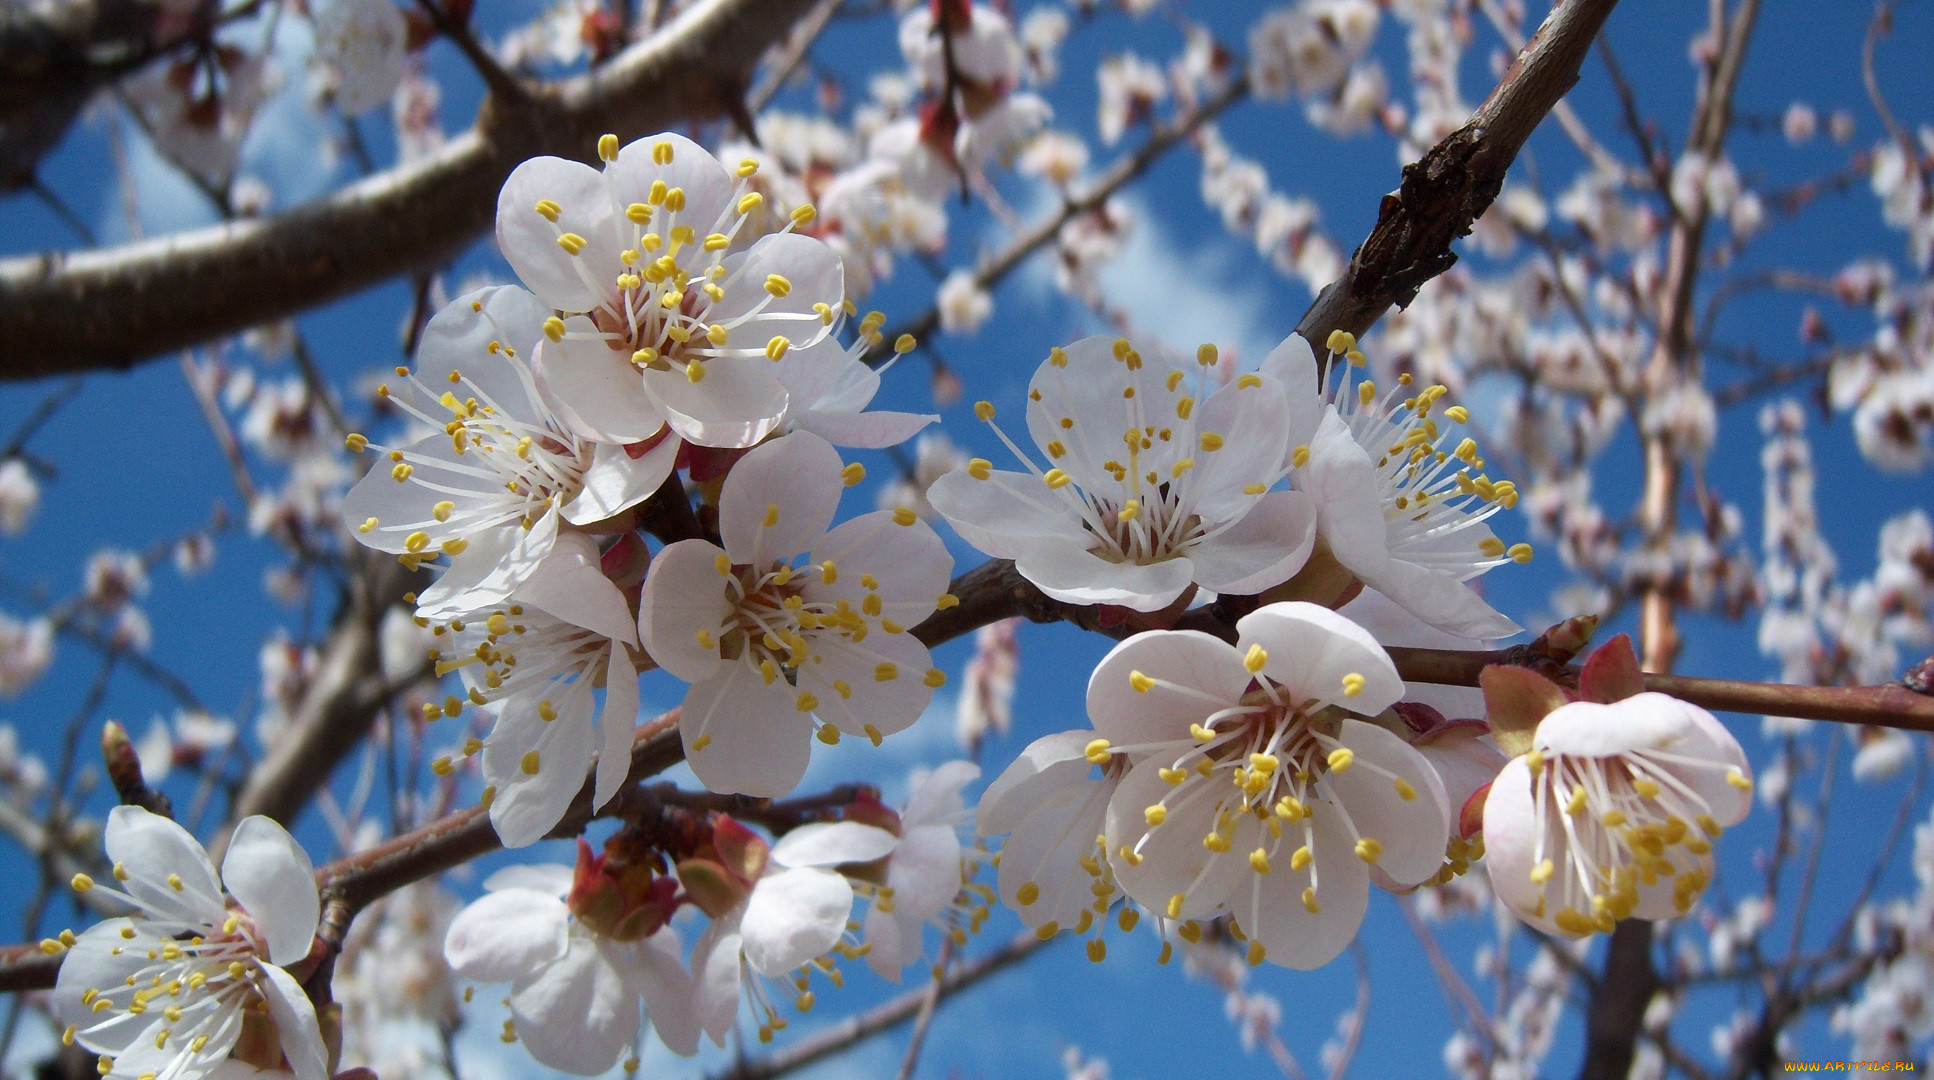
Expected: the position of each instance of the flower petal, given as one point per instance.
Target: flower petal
(909, 565)
(595, 388)
(1007, 514)
(759, 743)
(270, 875)
(1414, 831)
(716, 964)
(737, 403)
(528, 239)
(616, 723)
(485, 573)
(706, 182)
(1050, 763)
(1195, 674)
(793, 916)
(615, 481)
(1044, 848)
(1075, 575)
(1174, 860)
(1511, 844)
(1293, 365)
(1439, 600)
(507, 935)
(570, 585)
(551, 879)
(1089, 403)
(537, 766)
(1252, 418)
(155, 852)
(295, 1023)
(579, 1013)
(1267, 546)
(846, 678)
(671, 999)
(1290, 934)
(795, 483)
(830, 843)
(1312, 651)
(684, 594)
(814, 271)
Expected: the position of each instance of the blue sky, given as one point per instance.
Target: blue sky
(137, 467)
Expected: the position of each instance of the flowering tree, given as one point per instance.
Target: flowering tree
(579, 564)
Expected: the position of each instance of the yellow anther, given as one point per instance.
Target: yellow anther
(401, 472)
(935, 678)
(1201, 734)
(803, 214)
(701, 742)
(608, 147)
(1341, 758)
(980, 468)
(1255, 659)
(82, 883)
(529, 764)
(638, 213)
(443, 766)
(549, 209)
(984, 410)
(367, 525)
(1353, 684)
(1210, 441)
(904, 344)
(1520, 553)
(1404, 790)
(903, 516)
(1142, 683)
(776, 348)
(571, 242)
(1056, 479)
(1249, 382)
(1369, 850)
(1738, 779)
(1259, 861)
(1028, 893)
(1576, 804)
(1155, 814)
(1309, 902)
(1175, 903)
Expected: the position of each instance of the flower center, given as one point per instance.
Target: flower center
(1617, 823)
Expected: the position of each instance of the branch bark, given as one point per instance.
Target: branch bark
(1453, 184)
(112, 309)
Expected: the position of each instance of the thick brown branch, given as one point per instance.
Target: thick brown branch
(111, 309)
(1442, 194)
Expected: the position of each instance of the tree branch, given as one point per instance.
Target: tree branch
(115, 308)
(1453, 184)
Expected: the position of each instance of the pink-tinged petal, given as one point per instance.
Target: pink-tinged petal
(1252, 418)
(1173, 858)
(861, 430)
(1044, 849)
(1195, 674)
(579, 1013)
(151, 848)
(671, 999)
(736, 404)
(1343, 481)
(1290, 934)
(1293, 365)
(616, 723)
(909, 564)
(1076, 575)
(684, 594)
(489, 570)
(888, 704)
(295, 1023)
(716, 967)
(529, 240)
(595, 389)
(1050, 763)
(814, 270)
(1266, 547)
(830, 843)
(794, 482)
(1414, 831)
(1464, 761)
(759, 743)
(551, 879)
(1439, 600)
(1104, 397)
(794, 916)
(527, 804)
(270, 875)
(705, 181)
(1007, 514)
(1511, 836)
(459, 338)
(570, 585)
(1311, 650)
(616, 481)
